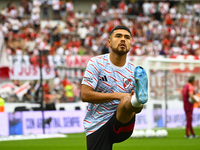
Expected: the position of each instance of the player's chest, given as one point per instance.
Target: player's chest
(116, 80)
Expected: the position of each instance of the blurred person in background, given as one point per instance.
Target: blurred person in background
(56, 83)
(62, 10)
(65, 81)
(69, 92)
(63, 98)
(2, 104)
(36, 88)
(189, 99)
(45, 11)
(56, 9)
(76, 90)
(29, 95)
(69, 6)
(46, 87)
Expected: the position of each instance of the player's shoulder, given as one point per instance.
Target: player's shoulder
(190, 86)
(130, 64)
(100, 58)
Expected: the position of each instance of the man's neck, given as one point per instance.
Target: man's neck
(117, 60)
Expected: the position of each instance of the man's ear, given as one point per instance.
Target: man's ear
(109, 42)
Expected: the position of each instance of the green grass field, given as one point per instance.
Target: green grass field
(174, 141)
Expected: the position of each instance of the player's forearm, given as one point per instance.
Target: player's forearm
(97, 97)
(192, 97)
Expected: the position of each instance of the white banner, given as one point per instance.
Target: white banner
(177, 118)
(62, 122)
(141, 120)
(4, 124)
(31, 72)
(72, 121)
(56, 60)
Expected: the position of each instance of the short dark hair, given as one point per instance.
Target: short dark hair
(191, 79)
(120, 27)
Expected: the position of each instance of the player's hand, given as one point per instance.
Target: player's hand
(120, 96)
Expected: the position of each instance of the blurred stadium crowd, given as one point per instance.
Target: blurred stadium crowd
(158, 29)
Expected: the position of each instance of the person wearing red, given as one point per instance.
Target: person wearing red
(46, 87)
(65, 81)
(188, 101)
(122, 5)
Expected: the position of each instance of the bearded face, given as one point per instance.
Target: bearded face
(120, 42)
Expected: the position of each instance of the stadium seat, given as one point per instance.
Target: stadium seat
(50, 106)
(77, 108)
(21, 108)
(36, 108)
(62, 108)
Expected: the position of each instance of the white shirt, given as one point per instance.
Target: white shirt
(55, 4)
(146, 8)
(93, 8)
(60, 51)
(82, 32)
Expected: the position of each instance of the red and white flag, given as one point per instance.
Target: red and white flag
(4, 66)
(20, 91)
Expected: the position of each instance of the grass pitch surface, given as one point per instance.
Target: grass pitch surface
(174, 141)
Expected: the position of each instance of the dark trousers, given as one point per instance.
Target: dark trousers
(189, 128)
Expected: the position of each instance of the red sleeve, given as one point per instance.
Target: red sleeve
(191, 88)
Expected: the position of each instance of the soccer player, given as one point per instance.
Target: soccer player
(115, 90)
(188, 101)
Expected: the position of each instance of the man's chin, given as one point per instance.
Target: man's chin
(122, 52)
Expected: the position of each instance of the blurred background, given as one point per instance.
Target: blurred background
(45, 47)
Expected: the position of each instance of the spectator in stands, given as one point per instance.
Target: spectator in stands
(174, 32)
(69, 6)
(104, 49)
(45, 11)
(56, 83)
(26, 97)
(69, 92)
(93, 7)
(122, 5)
(56, 35)
(56, 9)
(2, 104)
(102, 5)
(46, 87)
(62, 10)
(65, 81)
(171, 15)
(63, 98)
(61, 50)
(82, 32)
(76, 90)
(146, 8)
(16, 82)
(197, 9)
(36, 87)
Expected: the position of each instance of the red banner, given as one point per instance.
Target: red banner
(4, 73)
